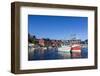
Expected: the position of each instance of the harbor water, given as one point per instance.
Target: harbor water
(52, 54)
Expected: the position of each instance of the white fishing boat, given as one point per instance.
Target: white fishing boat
(31, 47)
(64, 48)
(64, 51)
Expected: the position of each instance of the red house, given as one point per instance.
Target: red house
(41, 42)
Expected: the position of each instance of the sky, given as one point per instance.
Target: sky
(58, 27)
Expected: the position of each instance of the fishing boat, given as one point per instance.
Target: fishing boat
(31, 47)
(76, 51)
(64, 51)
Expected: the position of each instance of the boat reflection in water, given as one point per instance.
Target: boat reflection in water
(52, 53)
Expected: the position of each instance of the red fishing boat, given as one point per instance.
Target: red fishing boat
(76, 51)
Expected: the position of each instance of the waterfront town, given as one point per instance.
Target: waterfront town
(46, 49)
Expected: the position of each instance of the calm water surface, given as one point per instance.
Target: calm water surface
(51, 54)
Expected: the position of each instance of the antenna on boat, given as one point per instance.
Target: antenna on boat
(73, 36)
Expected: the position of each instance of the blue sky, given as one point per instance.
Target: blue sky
(58, 27)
